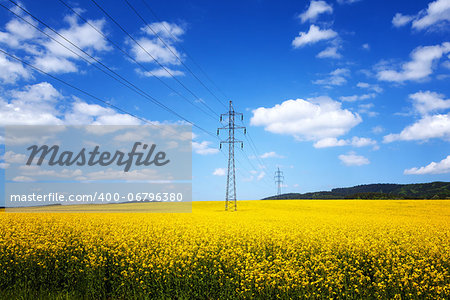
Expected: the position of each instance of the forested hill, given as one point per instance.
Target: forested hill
(433, 190)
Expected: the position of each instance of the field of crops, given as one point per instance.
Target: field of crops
(267, 249)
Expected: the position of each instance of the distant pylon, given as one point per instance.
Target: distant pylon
(279, 180)
(230, 195)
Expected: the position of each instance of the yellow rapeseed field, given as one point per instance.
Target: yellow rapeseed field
(386, 249)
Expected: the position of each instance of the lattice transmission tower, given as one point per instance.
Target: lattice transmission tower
(230, 117)
(279, 178)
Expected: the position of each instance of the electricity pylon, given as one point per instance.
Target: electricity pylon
(230, 116)
(279, 180)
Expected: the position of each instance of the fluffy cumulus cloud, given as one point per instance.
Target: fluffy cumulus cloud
(204, 148)
(315, 9)
(436, 14)
(314, 35)
(11, 71)
(400, 20)
(441, 167)
(329, 52)
(168, 31)
(433, 122)
(352, 159)
(419, 67)
(429, 127)
(56, 54)
(427, 102)
(313, 119)
(151, 48)
(41, 104)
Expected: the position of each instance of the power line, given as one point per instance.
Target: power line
(140, 46)
(184, 50)
(128, 83)
(252, 144)
(172, 133)
(170, 49)
(135, 61)
(76, 88)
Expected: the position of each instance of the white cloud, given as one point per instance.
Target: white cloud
(164, 52)
(4, 165)
(11, 71)
(374, 87)
(203, 148)
(161, 29)
(426, 102)
(42, 104)
(220, 172)
(334, 142)
(400, 20)
(351, 159)
(329, 52)
(271, 154)
(34, 105)
(441, 167)
(436, 126)
(82, 35)
(420, 66)
(314, 35)
(13, 158)
(52, 56)
(362, 142)
(55, 64)
(366, 46)
(315, 9)
(330, 142)
(161, 72)
(18, 32)
(436, 13)
(336, 77)
(157, 49)
(311, 119)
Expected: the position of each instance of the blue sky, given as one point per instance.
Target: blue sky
(335, 93)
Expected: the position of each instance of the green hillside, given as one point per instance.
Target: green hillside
(433, 190)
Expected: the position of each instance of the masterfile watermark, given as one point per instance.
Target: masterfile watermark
(67, 168)
(94, 157)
